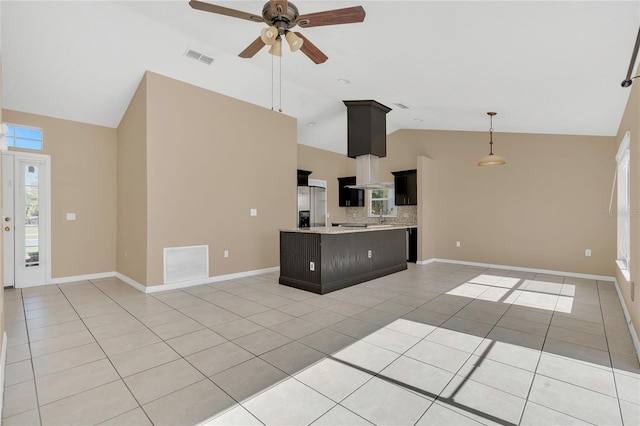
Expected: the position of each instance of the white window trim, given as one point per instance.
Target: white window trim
(623, 215)
(22, 126)
(390, 198)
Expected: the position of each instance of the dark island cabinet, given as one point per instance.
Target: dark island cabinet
(348, 197)
(322, 262)
(406, 187)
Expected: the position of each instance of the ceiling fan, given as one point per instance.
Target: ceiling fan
(281, 16)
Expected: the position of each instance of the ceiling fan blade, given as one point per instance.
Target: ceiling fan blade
(208, 7)
(282, 3)
(311, 50)
(348, 15)
(252, 49)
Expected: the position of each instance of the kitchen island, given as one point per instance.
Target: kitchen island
(326, 259)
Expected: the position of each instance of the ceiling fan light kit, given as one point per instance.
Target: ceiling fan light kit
(295, 42)
(282, 16)
(276, 48)
(269, 35)
(491, 159)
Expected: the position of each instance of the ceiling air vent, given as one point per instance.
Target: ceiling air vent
(206, 59)
(190, 53)
(401, 106)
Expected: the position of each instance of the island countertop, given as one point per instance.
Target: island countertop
(344, 229)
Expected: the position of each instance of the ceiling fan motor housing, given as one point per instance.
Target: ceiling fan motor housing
(282, 21)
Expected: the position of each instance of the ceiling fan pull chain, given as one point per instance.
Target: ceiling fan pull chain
(280, 110)
(272, 83)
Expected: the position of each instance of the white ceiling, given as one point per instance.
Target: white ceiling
(544, 66)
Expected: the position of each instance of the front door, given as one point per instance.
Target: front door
(25, 219)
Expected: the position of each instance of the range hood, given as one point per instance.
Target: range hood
(367, 141)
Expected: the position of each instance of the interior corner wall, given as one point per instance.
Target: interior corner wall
(541, 210)
(427, 224)
(83, 164)
(210, 160)
(631, 123)
(131, 245)
(327, 165)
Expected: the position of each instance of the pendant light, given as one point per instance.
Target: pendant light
(491, 159)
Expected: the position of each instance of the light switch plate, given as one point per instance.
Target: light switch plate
(254, 212)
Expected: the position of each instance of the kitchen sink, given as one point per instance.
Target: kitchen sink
(378, 225)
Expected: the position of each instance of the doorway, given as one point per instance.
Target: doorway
(26, 221)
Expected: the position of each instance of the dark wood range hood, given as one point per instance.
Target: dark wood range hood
(367, 140)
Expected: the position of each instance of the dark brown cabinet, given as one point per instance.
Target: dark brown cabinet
(412, 245)
(348, 197)
(406, 187)
(303, 177)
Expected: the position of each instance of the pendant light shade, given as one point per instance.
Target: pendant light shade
(491, 159)
(276, 48)
(269, 35)
(295, 42)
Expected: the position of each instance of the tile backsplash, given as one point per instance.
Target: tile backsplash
(407, 215)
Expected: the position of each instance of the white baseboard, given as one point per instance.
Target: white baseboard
(519, 268)
(162, 287)
(86, 277)
(3, 362)
(627, 317)
(191, 283)
(133, 283)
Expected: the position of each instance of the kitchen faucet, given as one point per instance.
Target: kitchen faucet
(381, 218)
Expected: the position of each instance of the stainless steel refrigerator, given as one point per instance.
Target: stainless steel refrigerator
(312, 206)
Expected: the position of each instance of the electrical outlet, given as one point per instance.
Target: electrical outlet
(226, 253)
(369, 254)
(457, 243)
(71, 216)
(312, 266)
(253, 212)
(587, 252)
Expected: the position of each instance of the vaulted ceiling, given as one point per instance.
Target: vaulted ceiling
(544, 66)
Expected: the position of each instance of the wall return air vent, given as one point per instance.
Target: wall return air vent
(185, 263)
(190, 53)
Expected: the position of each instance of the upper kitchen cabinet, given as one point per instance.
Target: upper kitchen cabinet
(348, 197)
(406, 187)
(303, 177)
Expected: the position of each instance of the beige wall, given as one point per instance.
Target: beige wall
(83, 165)
(207, 168)
(541, 210)
(427, 224)
(131, 247)
(631, 123)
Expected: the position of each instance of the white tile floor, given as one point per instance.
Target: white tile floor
(440, 344)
